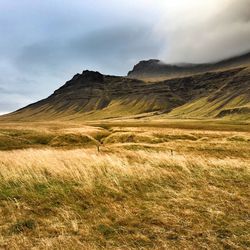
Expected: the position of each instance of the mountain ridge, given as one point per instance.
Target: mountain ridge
(222, 93)
(155, 69)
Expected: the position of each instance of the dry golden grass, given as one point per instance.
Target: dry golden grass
(134, 194)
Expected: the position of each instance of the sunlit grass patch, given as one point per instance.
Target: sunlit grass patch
(146, 188)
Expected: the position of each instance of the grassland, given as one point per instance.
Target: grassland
(172, 184)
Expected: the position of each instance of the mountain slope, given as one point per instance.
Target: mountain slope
(91, 95)
(231, 99)
(155, 70)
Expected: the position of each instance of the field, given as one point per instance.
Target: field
(170, 184)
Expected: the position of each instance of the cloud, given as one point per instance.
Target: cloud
(205, 31)
(44, 43)
(109, 48)
(236, 11)
(117, 47)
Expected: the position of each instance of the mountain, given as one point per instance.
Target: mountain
(155, 70)
(222, 93)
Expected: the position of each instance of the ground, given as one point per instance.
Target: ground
(165, 184)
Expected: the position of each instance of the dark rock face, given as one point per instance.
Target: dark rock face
(92, 76)
(79, 81)
(146, 65)
(155, 68)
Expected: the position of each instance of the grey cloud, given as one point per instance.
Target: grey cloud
(111, 49)
(44, 43)
(117, 47)
(220, 36)
(39, 57)
(237, 11)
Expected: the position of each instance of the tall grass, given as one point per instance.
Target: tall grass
(81, 199)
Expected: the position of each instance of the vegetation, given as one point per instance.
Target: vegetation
(92, 96)
(149, 187)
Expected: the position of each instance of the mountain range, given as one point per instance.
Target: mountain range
(151, 89)
(156, 70)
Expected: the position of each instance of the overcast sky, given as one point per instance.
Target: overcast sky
(43, 43)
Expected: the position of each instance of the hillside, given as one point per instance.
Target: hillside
(155, 70)
(91, 95)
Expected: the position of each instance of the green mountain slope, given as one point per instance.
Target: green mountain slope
(230, 100)
(91, 95)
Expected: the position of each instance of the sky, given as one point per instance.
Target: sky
(43, 43)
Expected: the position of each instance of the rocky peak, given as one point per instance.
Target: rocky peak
(92, 76)
(154, 68)
(151, 67)
(143, 65)
(87, 78)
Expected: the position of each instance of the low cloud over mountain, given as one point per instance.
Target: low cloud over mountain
(43, 43)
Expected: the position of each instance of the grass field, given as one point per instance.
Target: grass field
(170, 184)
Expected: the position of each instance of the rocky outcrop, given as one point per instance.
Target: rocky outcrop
(155, 69)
